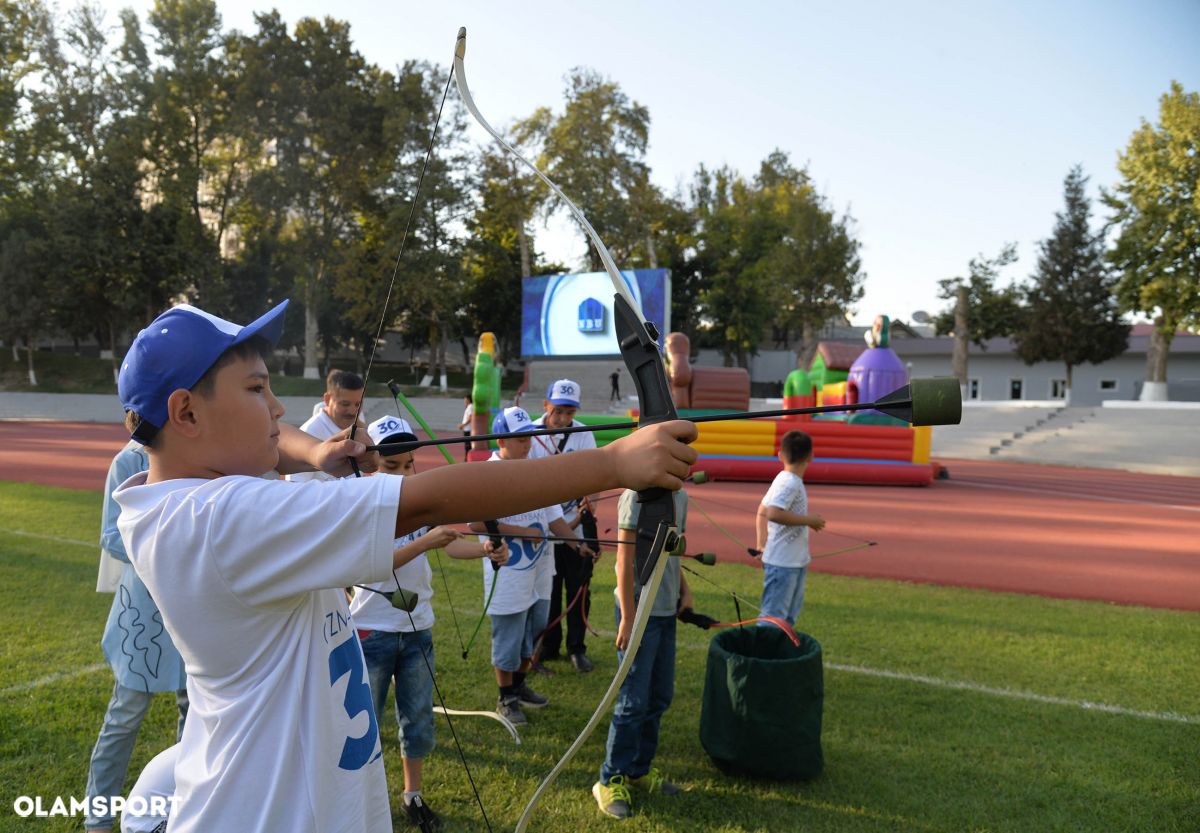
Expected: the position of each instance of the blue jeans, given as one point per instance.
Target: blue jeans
(645, 695)
(398, 656)
(512, 638)
(783, 592)
(110, 757)
(539, 617)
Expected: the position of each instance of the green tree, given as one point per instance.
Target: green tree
(500, 251)
(814, 267)
(981, 310)
(596, 153)
(322, 123)
(1071, 312)
(735, 300)
(1156, 209)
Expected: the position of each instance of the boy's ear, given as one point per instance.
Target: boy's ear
(180, 415)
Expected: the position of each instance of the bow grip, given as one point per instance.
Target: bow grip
(493, 529)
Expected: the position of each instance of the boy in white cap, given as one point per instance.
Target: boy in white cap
(512, 591)
(398, 645)
(247, 572)
(572, 563)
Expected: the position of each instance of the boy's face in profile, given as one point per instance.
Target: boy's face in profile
(515, 448)
(237, 427)
(342, 406)
(559, 416)
(404, 464)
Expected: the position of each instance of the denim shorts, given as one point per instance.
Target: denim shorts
(512, 639)
(401, 657)
(783, 592)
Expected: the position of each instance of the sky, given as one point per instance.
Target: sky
(945, 129)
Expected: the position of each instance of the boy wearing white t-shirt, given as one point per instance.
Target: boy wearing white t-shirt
(782, 524)
(398, 645)
(514, 608)
(247, 572)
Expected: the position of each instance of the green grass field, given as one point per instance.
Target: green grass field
(918, 732)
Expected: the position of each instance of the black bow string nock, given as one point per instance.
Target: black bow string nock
(638, 340)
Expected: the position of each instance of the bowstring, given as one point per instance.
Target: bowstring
(412, 210)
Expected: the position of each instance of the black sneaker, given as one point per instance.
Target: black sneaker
(510, 709)
(529, 698)
(420, 816)
(581, 663)
(538, 668)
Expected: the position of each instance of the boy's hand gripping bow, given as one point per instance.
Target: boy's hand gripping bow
(638, 340)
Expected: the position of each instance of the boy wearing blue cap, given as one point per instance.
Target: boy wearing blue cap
(516, 614)
(572, 562)
(247, 572)
(398, 645)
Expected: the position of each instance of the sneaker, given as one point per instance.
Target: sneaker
(581, 663)
(420, 816)
(655, 782)
(529, 698)
(613, 798)
(538, 668)
(510, 709)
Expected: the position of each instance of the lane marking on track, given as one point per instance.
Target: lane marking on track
(6, 531)
(1029, 696)
(1077, 495)
(53, 678)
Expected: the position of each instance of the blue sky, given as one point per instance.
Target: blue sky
(944, 128)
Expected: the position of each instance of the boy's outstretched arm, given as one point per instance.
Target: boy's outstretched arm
(300, 452)
(654, 456)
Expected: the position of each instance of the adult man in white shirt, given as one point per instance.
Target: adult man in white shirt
(342, 402)
(572, 570)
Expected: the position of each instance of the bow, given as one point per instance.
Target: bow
(638, 341)
(354, 464)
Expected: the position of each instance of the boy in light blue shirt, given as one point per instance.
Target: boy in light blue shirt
(137, 647)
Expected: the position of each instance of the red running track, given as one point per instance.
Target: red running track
(1044, 530)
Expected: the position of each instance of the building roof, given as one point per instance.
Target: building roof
(839, 355)
(944, 346)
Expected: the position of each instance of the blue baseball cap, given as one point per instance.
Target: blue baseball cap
(510, 420)
(390, 429)
(174, 351)
(563, 392)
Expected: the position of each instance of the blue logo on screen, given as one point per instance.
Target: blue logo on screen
(591, 316)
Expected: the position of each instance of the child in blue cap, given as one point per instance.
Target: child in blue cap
(513, 602)
(247, 572)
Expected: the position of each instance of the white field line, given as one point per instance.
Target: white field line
(1028, 696)
(5, 530)
(53, 678)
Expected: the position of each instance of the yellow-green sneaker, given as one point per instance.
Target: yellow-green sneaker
(655, 782)
(613, 797)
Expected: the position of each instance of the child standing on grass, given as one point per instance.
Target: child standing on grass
(515, 609)
(137, 647)
(782, 525)
(247, 572)
(398, 645)
(650, 686)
